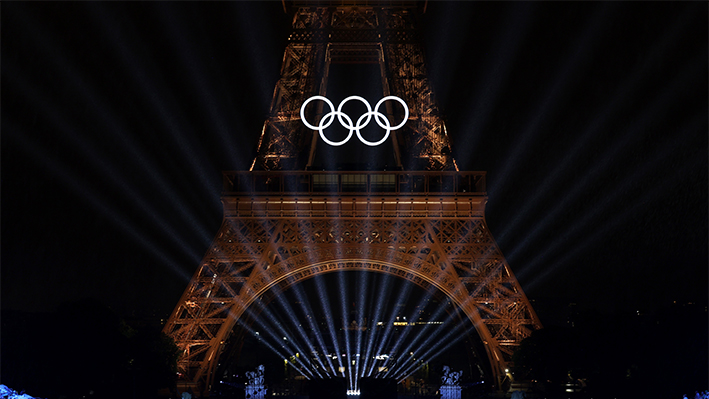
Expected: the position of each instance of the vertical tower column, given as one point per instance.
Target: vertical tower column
(348, 34)
(423, 223)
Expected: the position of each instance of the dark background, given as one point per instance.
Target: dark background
(589, 118)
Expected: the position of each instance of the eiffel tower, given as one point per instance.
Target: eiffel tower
(286, 220)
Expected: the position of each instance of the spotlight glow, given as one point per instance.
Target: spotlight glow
(362, 343)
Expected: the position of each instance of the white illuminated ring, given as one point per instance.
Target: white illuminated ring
(346, 121)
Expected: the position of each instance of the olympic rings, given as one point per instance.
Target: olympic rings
(346, 121)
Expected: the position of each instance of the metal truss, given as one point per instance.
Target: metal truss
(282, 223)
(348, 34)
(277, 239)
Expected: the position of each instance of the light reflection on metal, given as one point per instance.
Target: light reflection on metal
(283, 224)
(459, 257)
(353, 34)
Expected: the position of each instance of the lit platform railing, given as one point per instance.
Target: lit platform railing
(354, 183)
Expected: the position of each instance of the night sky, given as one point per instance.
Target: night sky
(118, 118)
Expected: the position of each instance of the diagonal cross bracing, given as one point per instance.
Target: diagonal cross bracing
(423, 223)
(454, 255)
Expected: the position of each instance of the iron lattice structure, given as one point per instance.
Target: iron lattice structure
(283, 224)
(323, 36)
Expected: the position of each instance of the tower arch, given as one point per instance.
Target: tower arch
(284, 222)
(389, 319)
(440, 241)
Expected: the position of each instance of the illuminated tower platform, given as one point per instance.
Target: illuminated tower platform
(422, 220)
